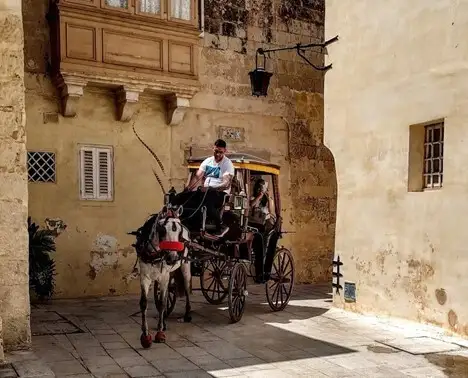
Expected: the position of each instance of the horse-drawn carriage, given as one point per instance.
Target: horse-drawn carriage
(225, 263)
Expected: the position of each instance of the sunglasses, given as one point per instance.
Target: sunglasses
(218, 152)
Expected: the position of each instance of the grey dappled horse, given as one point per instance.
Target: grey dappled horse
(162, 252)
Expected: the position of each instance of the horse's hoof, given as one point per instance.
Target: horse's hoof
(187, 318)
(160, 337)
(146, 341)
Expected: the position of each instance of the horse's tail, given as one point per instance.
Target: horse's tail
(179, 282)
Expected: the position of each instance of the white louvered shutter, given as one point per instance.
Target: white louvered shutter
(96, 173)
(104, 173)
(88, 180)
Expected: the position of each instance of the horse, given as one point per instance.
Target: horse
(162, 252)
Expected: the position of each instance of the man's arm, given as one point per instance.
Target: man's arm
(227, 179)
(198, 176)
(225, 184)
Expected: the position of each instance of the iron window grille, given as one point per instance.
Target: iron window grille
(434, 155)
(41, 166)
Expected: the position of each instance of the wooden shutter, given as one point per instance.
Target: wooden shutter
(96, 173)
(88, 181)
(104, 173)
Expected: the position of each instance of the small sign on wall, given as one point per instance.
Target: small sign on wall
(231, 134)
(350, 292)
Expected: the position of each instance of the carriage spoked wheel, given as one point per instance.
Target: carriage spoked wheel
(237, 292)
(211, 281)
(280, 285)
(171, 296)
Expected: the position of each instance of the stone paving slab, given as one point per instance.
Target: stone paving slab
(308, 339)
(421, 345)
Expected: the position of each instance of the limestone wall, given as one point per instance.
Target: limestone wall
(288, 125)
(405, 65)
(14, 292)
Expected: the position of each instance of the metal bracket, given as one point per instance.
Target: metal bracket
(337, 274)
(300, 49)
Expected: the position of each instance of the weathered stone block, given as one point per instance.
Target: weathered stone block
(13, 233)
(11, 29)
(11, 155)
(13, 272)
(16, 326)
(11, 61)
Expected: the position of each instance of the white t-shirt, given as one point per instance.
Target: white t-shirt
(214, 172)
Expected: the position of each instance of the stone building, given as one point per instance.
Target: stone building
(395, 121)
(176, 72)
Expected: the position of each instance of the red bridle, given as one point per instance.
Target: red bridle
(166, 245)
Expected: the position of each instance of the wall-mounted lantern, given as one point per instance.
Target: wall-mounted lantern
(260, 77)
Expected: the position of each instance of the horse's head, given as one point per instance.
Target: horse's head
(169, 234)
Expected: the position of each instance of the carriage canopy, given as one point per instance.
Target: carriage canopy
(242, 161)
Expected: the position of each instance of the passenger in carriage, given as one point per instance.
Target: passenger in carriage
(260, 205)
(218, 171)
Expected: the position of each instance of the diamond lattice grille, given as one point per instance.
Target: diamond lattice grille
(41, 166)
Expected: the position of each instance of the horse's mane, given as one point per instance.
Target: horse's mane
(145, 230)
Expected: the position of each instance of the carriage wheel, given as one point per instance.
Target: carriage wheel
(280, 285)
(237, 292)
(211, 281)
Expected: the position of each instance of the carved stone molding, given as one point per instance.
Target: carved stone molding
(127, 100)
(177, 95)
(71, 90)
(177, 106)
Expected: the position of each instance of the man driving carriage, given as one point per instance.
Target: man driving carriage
(217, 171)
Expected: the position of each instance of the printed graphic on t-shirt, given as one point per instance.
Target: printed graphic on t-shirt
(214, 172)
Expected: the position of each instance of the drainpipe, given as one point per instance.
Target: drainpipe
(2, 356)
(202, 18)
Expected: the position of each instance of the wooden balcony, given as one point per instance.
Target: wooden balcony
(129, 46)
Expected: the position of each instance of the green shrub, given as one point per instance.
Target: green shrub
(41, 265)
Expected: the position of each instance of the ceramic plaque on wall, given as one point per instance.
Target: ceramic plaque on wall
(231, 134)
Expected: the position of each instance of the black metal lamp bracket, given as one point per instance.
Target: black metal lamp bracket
(300, 49)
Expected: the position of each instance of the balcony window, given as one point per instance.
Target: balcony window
(181, 9)
(117, 3)
(150, 6)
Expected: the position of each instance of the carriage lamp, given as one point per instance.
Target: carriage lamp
(260, 77)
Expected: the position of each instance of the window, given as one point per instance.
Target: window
(96, 173)
(433, 155)
(179, 9)
(41, 166)
(150, 6)
(117, 3)
(426, 154)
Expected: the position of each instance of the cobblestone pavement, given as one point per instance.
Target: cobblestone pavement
(100, 338)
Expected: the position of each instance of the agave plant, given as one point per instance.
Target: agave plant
(41, 265)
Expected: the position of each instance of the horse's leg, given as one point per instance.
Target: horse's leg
(185, 268)
(145, 338)
(162, 305)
